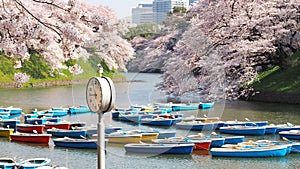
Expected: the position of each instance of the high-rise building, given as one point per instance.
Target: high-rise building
(162, 7)
(192, 1)
(142, 14)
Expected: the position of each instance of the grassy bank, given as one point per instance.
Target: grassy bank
(40, 73)
(279, 80)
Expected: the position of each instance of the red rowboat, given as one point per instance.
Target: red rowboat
(30, 128)
(31, 138)
(201, 144)
(61, 125)
(198, 144)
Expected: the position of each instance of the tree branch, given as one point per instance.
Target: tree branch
(41, 22)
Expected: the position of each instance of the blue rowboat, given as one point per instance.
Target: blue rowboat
(287, 127)
(195, 125)
(10, 123)
(67, 133)
(4, 117)
(245, 123)
(208, 105)
(184, 107)
(34, 163)
(160, 148)
(28, 116)
(13, 110)
(291, 134)
(7, 163)
(270, 129)
(295, 148)
(234, 139)
(157, 121)
(56, 112)
(76, 143)
(35, 121)
(134, 117)
(243, 130)
(80, 109)
(109, 130)
(250, 151)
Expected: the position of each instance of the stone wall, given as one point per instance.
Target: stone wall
(277, 97)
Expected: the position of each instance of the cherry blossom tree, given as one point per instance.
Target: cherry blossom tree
(57, 29)
(234, 39)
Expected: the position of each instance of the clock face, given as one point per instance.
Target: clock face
(94, 95)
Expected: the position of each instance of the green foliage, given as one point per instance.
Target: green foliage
(146, 30)
(177, 10)
(6, 69)
(70, 62)
(36, 67)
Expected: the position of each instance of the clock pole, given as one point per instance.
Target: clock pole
(100, 127)
(101, 141)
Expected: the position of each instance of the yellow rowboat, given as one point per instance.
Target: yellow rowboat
(5, 132)
(135, 138)
(147, 137)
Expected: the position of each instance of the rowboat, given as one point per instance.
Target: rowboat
(291, 134)
(10, 123)
(7, 163)
(12, 110)
(34, 163)
(250, 151)
(30, 137)
(35, 121)
(287, 127)
(119, 137)
(184, 107)
(207, 105)
(76, 143)
(67, 133)
(80, 109)
(31, 128)
(245, 123)
(58, 112)
(270, 129)
(146, 136)
(111, 129)
(134, 117)
(195, 125)
(199, 144)
(160, 121)
(160, 148)
(5, 132)
(228, 139)
(243, 130)
(165, 134)
(215, 142)
(59, 125)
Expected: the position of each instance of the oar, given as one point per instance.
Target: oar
(285, 139)
(250, 121)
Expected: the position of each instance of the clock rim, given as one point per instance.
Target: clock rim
(99, 107)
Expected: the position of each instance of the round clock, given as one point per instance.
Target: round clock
(100, 94)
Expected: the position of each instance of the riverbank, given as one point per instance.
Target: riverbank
(276, 97)
(4, 85)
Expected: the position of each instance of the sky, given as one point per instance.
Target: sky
(121, 7)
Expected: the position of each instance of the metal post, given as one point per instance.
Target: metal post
(101, 142)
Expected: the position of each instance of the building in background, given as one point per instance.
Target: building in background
(142, 14)
(191, 2)
(162, 7)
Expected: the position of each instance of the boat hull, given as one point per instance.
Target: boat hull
(160, 149)
(76, 143)
(31, 138)
(30, 128)
(65, 126)
(227, 152)
(243, 131)
(67, 133)
(165, 122)
(124, 139)
(6, 132)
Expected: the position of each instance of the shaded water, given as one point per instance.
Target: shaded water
(140, 90)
